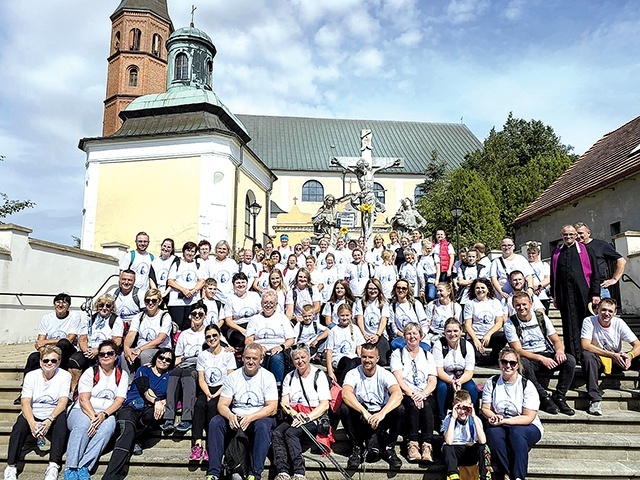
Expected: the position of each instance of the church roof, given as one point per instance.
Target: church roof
(308, 144)
(158, 7)
(612, 158)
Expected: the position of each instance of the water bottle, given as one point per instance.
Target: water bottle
(41, 440)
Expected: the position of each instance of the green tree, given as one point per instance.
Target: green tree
(519, 163)
(433, 172)
(8, 206)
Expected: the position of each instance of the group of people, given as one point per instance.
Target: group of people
(397, 328)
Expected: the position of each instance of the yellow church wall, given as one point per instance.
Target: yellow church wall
(245, 184)
(148, 196)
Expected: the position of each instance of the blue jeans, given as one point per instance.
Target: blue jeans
(604, 293)
(275, 364)
(510, 445)
(83, 451)
(444, 394)
(259, 429)
(430, 292)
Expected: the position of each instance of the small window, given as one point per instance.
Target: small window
(312, 191)
(418, 193)
(210, 73)
(133, 76)
(247, 217)
(116, 42)
(135, 37)
(378, 191)
(182, 67)
(156, 48)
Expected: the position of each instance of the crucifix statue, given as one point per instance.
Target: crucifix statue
(364, 168)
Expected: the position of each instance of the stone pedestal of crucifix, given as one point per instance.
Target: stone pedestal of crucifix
(365, 168)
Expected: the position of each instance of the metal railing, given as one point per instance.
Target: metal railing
(626, 278)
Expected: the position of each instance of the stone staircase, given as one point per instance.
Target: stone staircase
(578, 447)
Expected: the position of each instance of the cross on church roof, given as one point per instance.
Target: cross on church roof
(295, 199)
(193, 9)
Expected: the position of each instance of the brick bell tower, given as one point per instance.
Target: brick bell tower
(137, 56)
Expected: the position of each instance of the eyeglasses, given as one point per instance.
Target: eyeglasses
(165, 359)
(49, 360)
(61, 302)
(401, 289)
(151, 301)
(198, 314)
(105, 305)
(211, 337)
(507, 246)
(110, 353)
(508, 363)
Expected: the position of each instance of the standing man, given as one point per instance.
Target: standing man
(604, 253)
(574, 283)
(447, 255)
(285, 249)
(372, 396)
(127, 297)
(139, 260)
(502, 267)
(602, 337)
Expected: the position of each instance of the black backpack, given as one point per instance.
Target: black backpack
(237, 456)
(462, 343)
(541, 324)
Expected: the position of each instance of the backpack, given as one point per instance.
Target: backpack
(462, 343)
(112, 319)
(96, 374)
(294, 292)
(176, 262)
(134, 295)
(237, 456)
(402, 355)
(542, 325)
(494, 382)
(133, 256)
(315, 329)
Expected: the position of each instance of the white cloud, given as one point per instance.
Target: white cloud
(514, 10)
(462, 11)
(410, 38)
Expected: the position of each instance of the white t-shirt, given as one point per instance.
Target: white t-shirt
(215, 367)
(409, 273)
(242, 309)
(454, 364)
(358, 276)
(284, 253)
(343, 259)
(483, 314)
(609, 339)
(55, 328)
(45, 394)
(518, 262)
(463, 433)
(321, 259)
(249, 394)
(291, 386)
(540, 270)
(510, 398)
(427, 268)
(270, 331)
(99, 330)
(128, 306)
(469, 273)
(373, 256)
(331, 310)
(404, 313)
(141, 265)
(316, 277)
(289, 276)
(189, 343)
(103, 393)
(149, 328)
(309, 332)
(388, 275)
(532, 338)
(418, 376)
(372, 315)
(342, 341)
(302, 298)
(214, 314)
(161, 268)
(223, 272)
(372, 392)
(187, 275)
(329, 278)
(437, 314)
(250, 270)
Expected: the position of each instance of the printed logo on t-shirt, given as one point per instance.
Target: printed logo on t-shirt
(107, 394)
(248, 399)
(507, 407)
(224, 276)
(371, 321)
(164, 274)
(192, 350)
(488, 318)
(148, 334)
(266, 333)
(214, 375)
(246, 312)
(345, 347)
(189, 277)
(46, 400)
(142, 269)
(58, 334)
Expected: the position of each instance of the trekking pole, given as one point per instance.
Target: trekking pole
(326, 452)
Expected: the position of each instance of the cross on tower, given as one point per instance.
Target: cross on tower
(193, 9)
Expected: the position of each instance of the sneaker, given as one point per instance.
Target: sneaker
(373, 449)
(70, 474)
(83, 473)
(427, 452)
(11, 472)
(183, 426)
(196, 453)
(548, 405)
(413, 452)
(297, 476)
(392, 458)
(253, 476)
(595, 408)
(205, 455)
(137, 449)
(167, 426)
(355, 460)
(52, 472)
(236, 476)
(562, 404)
(282, 476)
(211, 477)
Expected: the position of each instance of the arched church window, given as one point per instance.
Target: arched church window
(312, 191)
(210, 73)
(135, 37)
(378, 191)
(133, 76)
(182, 67)
(248, 218)
(156, 48)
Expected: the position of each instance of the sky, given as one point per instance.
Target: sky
(569, 64)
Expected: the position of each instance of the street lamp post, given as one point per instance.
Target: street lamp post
(456, 213)
(255, 208)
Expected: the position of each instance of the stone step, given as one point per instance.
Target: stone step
(611, 446)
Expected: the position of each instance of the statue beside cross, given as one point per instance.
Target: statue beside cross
(364, 168)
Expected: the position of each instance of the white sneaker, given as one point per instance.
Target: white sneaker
(11, 472)
(595, 408)
(52, 472)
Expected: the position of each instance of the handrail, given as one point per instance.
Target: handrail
(626, 278)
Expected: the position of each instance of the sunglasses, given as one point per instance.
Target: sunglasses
(508, 363)
(49, 360)
(401, 289)
(165, 359)
(151, 301)
(211, 337)
(110, 353)
(198, 314)
(105, 305)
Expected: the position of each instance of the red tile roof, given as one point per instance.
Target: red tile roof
(612, 158)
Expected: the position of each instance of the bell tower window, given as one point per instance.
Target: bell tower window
(156, 48)
(133, 76)
(182, 67)
(116, 42)
(135, 36)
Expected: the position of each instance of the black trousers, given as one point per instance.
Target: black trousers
(33, 361)
(360, 431)
(418, 421)
(465, 455)
(21, 439)
(565, 377)
(287, 447)
(203, 412)
(344, 365)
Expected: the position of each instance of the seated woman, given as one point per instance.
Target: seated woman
(343, 346)
(213, 366)
(510, 404)
(183, 378)
(240, 307)
(483, 319)
(150, 330)
(403, 308)
(415, 372)
(372, 314)
(441, 309)
(91, 422)
(341, 294)
(45, 393)
(273, 332)
(142, 411)
(186, 279)
(455, 362)
(305, 396)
